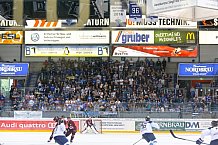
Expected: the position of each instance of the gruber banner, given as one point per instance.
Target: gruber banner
(132, 37)
(155, 51)
(27, 125)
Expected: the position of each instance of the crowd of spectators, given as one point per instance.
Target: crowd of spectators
(101, 85)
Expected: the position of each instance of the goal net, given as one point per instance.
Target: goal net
(97, 126)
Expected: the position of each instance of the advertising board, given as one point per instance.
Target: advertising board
(208, 37)
(29, 125)
(14, 69)
(67, 37)
(67, 50)
(175, 37)
(132, 37)
(198, 69)
(155, 51)
(11, 37)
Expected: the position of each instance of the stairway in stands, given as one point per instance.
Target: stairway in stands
(7, 105)
(32, 79)
(34, 71)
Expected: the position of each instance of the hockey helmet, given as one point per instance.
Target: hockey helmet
(56, 118)
(147, 118)
(214, 123)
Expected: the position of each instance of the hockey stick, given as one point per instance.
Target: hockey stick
(137, 141)
(172, 133)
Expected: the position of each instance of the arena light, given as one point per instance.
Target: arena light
(194, 10)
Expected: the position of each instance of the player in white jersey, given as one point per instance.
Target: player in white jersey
(58, 132)
(147, 130)
(212, 131)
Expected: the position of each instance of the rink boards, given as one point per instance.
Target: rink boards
(108, 125)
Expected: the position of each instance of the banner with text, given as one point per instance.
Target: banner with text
(160, 23)
(29, 125)
(14, 69)
(165, 125)
(155, 51)
(67, 50)
(11, 37)
(132, 37)
(175, 37)
(198, 69)
(110, 125)
(28, 114)
(8, 23)
(208, 37)
(67, 37)
(120, 9)
(197, 125)
(157, 6)
(211, 23)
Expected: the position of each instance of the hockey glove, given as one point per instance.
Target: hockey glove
(199, 141)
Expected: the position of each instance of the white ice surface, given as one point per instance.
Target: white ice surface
(20, 138)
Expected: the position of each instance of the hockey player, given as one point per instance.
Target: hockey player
(71, 129)
(212, 131)
(89, 124)
(147, 131)
(63, 120)
(58, 132)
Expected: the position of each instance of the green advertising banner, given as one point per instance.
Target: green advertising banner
(175, 37)
(165, 125)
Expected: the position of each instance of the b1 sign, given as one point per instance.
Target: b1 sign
(13, 69)
(198, 69)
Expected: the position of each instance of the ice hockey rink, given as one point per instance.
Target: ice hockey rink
(40, 138)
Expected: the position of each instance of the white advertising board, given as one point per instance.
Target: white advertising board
(208, 37)
(156, 6)
(160, 23)
(67, 37)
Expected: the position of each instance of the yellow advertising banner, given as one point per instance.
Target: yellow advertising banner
(11, 37)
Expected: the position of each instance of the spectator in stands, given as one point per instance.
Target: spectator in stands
(164, 64)
(2, 100)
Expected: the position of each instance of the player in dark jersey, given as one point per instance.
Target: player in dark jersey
(63, 120)
(71, 129)
(89, 124)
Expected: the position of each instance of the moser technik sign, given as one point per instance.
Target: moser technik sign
(198, 69)
(14, 69)
(162, 22)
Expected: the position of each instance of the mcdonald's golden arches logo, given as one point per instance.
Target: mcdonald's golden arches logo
(190, 37)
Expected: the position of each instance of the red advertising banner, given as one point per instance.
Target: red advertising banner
(27, 125)
(155, 51)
